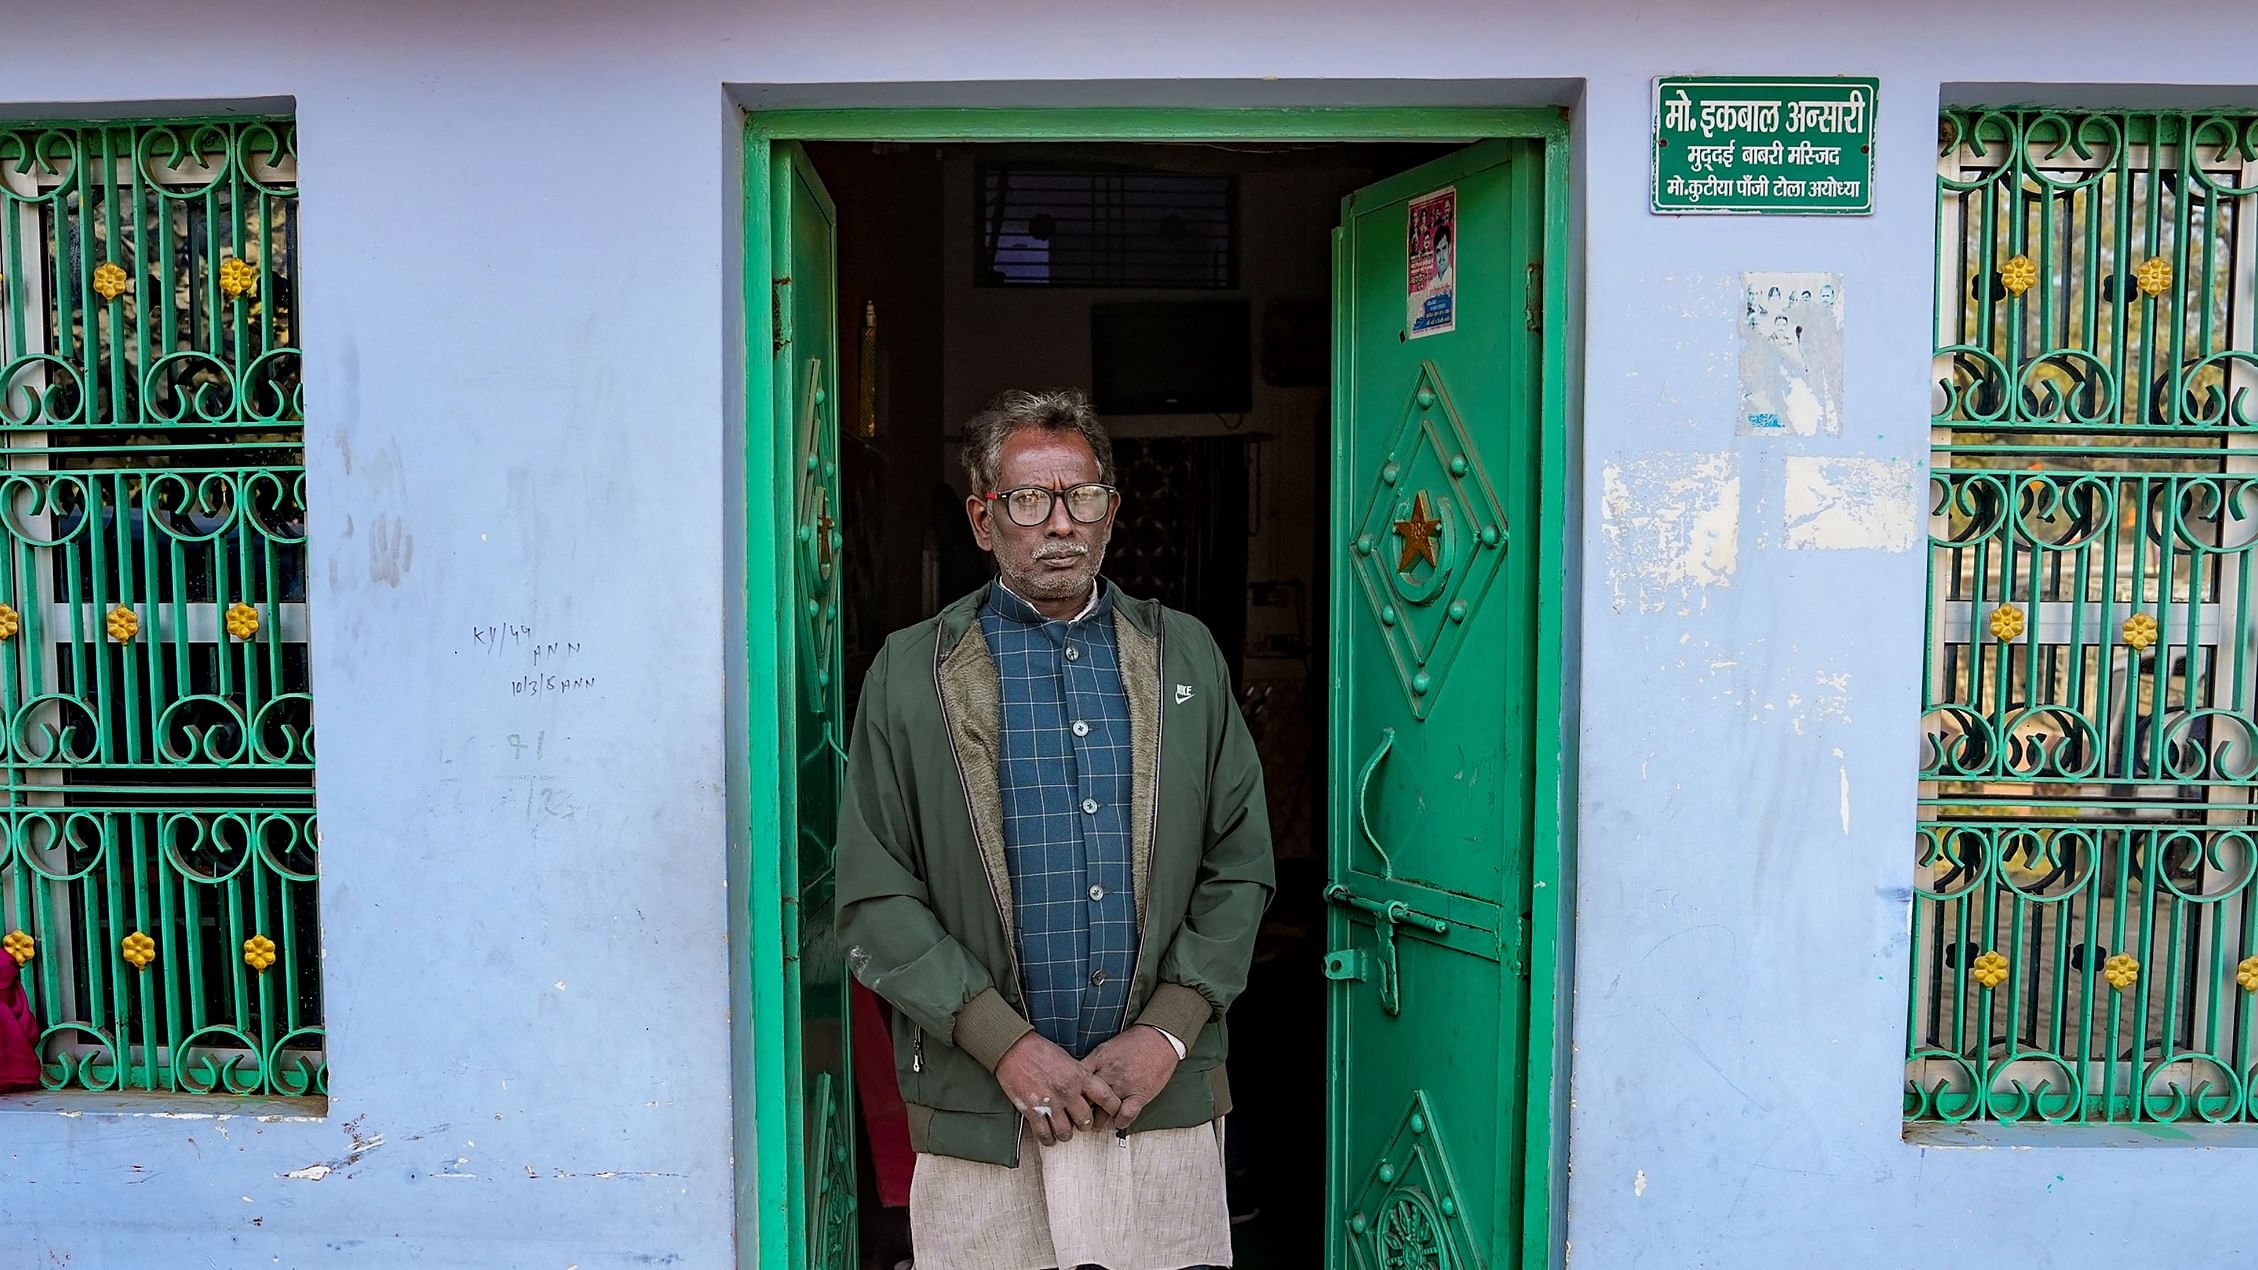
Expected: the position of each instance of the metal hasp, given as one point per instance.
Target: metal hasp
(1386, 915)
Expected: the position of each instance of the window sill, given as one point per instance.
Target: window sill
(74, 1104)
(1988, 1136)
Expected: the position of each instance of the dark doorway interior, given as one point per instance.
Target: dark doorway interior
(1189, 288)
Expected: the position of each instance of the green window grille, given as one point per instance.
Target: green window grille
(157, 871)
(2084, 941)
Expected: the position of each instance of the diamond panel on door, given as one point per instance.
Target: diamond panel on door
(1409, 1215)
(816, 533)
(1431, 537)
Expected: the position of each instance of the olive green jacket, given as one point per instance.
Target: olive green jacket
(924, 895)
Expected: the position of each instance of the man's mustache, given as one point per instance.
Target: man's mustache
(1061, 551)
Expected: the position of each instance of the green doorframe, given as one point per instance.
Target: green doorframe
(769, 1036)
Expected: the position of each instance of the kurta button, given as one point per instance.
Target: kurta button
(1073, 653)
(1081, 728)
(1090, 806)
(1097, 978)
(1097, 892)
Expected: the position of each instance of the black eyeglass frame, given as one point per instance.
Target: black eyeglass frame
(1113, 499)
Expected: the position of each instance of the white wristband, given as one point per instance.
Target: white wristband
(1177, 1045)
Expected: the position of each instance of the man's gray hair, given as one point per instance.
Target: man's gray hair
(1055, 410)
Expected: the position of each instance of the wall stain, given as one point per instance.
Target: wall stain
(391, 550)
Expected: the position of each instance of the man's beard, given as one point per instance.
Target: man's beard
(1061, 584)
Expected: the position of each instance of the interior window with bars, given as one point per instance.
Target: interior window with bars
(157, 869)
(1042, 226)
(2085, 942)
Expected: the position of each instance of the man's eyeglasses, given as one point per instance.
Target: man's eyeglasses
(1030, 505)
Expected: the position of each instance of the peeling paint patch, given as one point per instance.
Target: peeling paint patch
(1845, 801)
(1672, 522)
(1853, 504)
(1831, 699)
(1791, 354)
(310, 1173)
(1638, 1184)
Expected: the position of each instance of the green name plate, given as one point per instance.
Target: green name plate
(1800, 146)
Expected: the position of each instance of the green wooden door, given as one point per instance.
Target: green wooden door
(806, 384)
(1435, 484)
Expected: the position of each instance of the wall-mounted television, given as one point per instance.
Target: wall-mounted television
(1162, 357)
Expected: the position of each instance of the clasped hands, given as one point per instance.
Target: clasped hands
(1107, 1090)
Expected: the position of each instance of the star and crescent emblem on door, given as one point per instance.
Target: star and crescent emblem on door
(1419, 533)
(1431, 538)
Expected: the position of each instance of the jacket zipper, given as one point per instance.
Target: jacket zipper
(917, 1049)
(956, 756)
(1160, 727)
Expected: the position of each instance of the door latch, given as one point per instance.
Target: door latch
(1386, 915)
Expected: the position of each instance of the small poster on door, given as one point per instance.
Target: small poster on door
(1433, 257)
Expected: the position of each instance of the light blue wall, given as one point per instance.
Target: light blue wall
(517, 290)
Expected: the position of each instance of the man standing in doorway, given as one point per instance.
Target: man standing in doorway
(1053, 857)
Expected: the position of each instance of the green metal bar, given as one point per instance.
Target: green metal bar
(111, 347)
(137, 979)
(175, 939)
(253, 1000)
(2245, 1048)
(168, 319)
(133, 586)
(1957, 994)
(73, 289)
(13, 263)
(2136, 995)
(235, 312)
(269, 646)
(2210, 451)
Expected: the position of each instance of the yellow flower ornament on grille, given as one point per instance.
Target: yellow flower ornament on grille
(139, 949)
(2122, 971)
(2018, 274)
(2140, 632)
(242, 621)
(23, 947)
(123, 624)
(2006, 623)
(258, 953)
(2154, 275)
(110, 281)
(1990, 970)
(238, 278)
(2246, 974)
(10, 622)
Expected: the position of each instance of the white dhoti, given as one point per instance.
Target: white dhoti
(1150, 1201)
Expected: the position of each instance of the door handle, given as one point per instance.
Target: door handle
(1386, 915)
(1363, 787)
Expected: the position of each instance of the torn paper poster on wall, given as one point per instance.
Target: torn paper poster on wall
(1854, 504)
(1791, 354)
(1672, 523)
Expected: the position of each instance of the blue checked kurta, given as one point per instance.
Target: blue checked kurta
(1064, 773)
